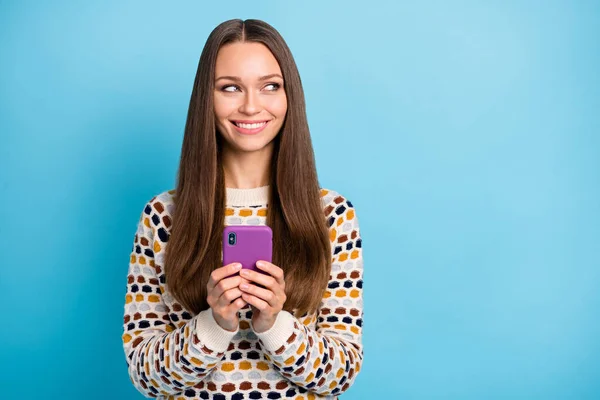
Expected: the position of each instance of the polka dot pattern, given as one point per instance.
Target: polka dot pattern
(166, 346)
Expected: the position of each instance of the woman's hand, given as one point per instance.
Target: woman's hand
(224, 296)
(267, 300)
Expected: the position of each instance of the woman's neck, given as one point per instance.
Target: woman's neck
(247, 170)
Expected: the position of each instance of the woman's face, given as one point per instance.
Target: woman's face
(250, 101)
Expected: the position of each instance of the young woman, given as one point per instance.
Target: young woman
(195, 329)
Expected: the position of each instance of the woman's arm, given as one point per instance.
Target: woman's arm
(327, 359)
(164, 359)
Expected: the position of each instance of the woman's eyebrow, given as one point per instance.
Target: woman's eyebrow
(238, 79)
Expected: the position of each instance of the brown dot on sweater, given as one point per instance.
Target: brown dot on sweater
(228, 387)
(144, 241)
(244, 345)
(328, 210)
(159, 207)
(167, 221)
(355, 275)
(263, 386)
(342, 239)
(338, 200)
(245, 385)
(211, 386)
(281, 385)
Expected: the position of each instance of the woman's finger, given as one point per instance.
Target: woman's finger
(260, 278)
(225, 284)
(263, 294)
(227, 297)
(272, 270)
(260, 305)
(222, 272)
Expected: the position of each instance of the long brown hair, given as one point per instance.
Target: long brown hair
(295, 214)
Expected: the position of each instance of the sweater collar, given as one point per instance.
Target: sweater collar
(247, 197)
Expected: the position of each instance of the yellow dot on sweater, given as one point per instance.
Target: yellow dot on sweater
(154, 383)
(177, 376)
(332, 385)
(126, 338)
(354, 255)
(317, 363)
(357, 366)
(340, 373)
(263, 366)
(340, 293)
(324, 192)
(246, 212)
(332, 234)
(311, 396)
(301, 349)
(196, 361)
(142, 260)
(354, 293)
(310, 377)
(152, 263)
(170, 328)
(289, 361)
(168, 361)
(153, 298)
(228, 212)
(139, 297)
(227, 367)
(128, 299)
(350, 214)
(354, 329)
(156, 246)
(262, 212)
(340, 327)
(327, 294)
(133, 259)
(185, 348)
(320, 347)
(147, 222)
(343, 256)
(340, 221)
(245, 365)
(211, 366)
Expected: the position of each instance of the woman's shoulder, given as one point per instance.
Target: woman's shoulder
(334, 203)
(160, 205)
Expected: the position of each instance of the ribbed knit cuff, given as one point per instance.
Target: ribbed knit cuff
(279, 333)
(211, 334)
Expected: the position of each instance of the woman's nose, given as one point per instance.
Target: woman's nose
(251, 104)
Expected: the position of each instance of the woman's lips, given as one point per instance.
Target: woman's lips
(247, 128)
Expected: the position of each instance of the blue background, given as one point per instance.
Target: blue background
(465, 133)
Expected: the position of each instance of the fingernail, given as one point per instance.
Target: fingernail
(244, 286)
(260, 263)
(237, 266)
(244, 272)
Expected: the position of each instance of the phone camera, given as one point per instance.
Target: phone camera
(232, 238)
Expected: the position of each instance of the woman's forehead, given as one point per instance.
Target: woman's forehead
(247, 60)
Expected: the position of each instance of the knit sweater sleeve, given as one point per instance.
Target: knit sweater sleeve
(162, 358)
(326, 359)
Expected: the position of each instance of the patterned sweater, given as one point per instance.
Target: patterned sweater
(173, 354)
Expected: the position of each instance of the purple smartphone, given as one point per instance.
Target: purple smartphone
(247, 244)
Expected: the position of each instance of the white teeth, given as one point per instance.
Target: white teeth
(251, 126)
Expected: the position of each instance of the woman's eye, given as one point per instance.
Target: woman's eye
(229, 88)
(273, 86)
